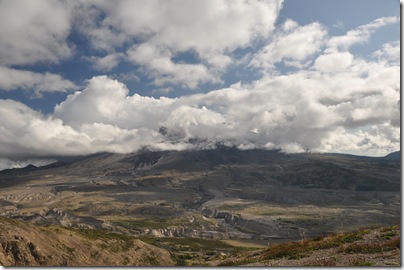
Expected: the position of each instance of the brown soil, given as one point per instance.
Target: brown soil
(23, 244)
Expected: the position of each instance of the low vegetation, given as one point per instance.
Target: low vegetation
(265, 197)
(337, 250)
(194, 251)
(24, 244)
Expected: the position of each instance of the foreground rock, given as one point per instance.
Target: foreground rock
(23, 244)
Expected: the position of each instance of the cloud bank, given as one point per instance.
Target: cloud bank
(33, 32)
(329, 99)
(296, 112)
(152, 34)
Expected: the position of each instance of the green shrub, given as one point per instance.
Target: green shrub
(371, 247)
(388, 235)
(323, 262)
(293, 250)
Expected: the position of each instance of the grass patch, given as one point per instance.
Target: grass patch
(113, 242)
(366, 264)
(100, 234)
(303, 248)
(152, 260)
(70, 250)
(335, 240)
(323, 262)
(9, 221)
(192, 251)
(389, 232)
(361, 262)
(125, 261)
(347, 242)
(371, 247)
(388, 235)
(292, 250)
(297, 250)
(190, 244)
(103, 246)
(94, 254)
(181, 259)
(392, 228)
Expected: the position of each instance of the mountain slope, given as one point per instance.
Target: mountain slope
(222, 193)
(364, 247)
(395, 155)
(23, 244)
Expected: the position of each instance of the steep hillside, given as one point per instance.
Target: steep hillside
(395, 155)
(23, 244)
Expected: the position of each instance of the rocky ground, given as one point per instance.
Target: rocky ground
(23, 244)
(251, 198)
(365, 247)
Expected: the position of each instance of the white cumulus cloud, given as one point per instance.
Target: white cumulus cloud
(358, 35)
(292, 112)
(334, 62)
(293, 45)
(33, 31)
(156, 32)
(11, 79)
(334, 100)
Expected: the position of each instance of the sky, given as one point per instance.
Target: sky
(79, 77)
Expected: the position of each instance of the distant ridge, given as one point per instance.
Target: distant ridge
(27, 168)
(394, 155)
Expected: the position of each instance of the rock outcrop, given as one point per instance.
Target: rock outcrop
(61, 217)
(24, 244)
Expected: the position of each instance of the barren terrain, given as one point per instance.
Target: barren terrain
(249, 199)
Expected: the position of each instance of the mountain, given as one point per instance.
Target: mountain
(395, 155)
(251, 196)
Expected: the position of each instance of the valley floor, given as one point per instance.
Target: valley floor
(206, 207)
